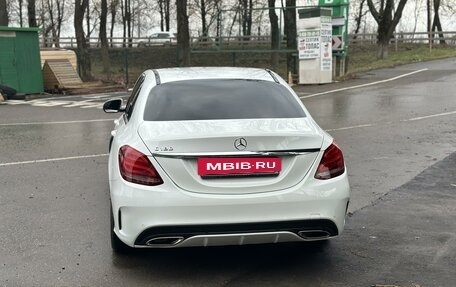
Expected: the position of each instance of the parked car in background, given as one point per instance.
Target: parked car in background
(159, 39)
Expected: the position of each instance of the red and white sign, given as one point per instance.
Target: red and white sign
(216, 166)
(337, 43)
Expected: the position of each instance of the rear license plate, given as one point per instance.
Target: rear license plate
(231, 166)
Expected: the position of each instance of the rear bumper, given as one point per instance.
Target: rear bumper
(236, 234)
(193, 219)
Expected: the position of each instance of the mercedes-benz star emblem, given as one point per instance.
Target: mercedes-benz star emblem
(240, 143)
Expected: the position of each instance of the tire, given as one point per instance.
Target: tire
(8, 91)
(19, 97)
(116, 244)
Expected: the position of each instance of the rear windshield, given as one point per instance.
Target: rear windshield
(220, 99)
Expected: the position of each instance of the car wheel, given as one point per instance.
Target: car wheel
(116, 244)
(8, 91)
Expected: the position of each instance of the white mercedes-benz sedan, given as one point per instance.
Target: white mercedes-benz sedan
(221, 156)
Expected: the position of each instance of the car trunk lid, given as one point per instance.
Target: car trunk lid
(288, 147)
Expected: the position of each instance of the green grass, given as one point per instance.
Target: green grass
(364, 58)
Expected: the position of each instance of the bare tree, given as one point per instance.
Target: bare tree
(31, 11)
(104, 40)
(113, 9)
(21, 17)
(183, 35)
(275, 34)
(436, 24)
(387, 20)
(429, 21)
(167, 12)
(416, 13)
(203, 18)
(83, 53)
(361, 13)
(54, 13)
(4, 20)
(246, 7)
(125, 7)
(44, 23)
(209, 11)
(291, 33)
(164, 10)
(218, 8)
(87, 14)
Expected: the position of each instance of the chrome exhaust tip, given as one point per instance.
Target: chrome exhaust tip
(165, 241)
(314, 234)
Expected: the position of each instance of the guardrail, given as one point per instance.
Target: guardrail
(195, 42)
(244, 42)
(406, 38)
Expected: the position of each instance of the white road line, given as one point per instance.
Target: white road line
(430, 116)
(364, 85)
(352, 127)
(389, 123)
(52, 159)
(113, 94)
(57, 123)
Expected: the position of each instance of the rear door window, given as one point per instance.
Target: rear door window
(134, 95)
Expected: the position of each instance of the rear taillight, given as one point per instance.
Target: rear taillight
(331, 164)
(135, 167)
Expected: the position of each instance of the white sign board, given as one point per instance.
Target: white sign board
(309, 44)
(326, 43)
(310, 3)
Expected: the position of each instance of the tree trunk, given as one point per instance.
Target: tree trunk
(246, 22)
(3, 13)
(219, 22)
(162, 14)
(114, 4)
(60, 15)
(53, 25)
(290, 28)
(429, 21)
(203, 19)
(104, 40)
(436, 23)
(249, 18)
(124, 22)
(88, 21)
(128, 19)
(31, 11)
(387, 21)
(167, 16)
(83, 53)
(359, 18)
(183, 36)
(275, 40)
(21, 18)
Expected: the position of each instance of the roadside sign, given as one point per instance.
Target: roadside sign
(337, 43)
(340, 24)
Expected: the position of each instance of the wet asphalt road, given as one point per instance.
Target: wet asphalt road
(399, 140)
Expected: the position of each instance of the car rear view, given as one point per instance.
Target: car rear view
(222, 156)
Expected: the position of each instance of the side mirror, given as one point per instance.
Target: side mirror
(113, 106)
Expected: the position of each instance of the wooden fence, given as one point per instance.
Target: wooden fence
(236, 42)
(406, 38)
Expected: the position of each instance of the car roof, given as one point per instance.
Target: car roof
(193, 73)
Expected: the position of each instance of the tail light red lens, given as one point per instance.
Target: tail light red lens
(331, 164)
(135, 167)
